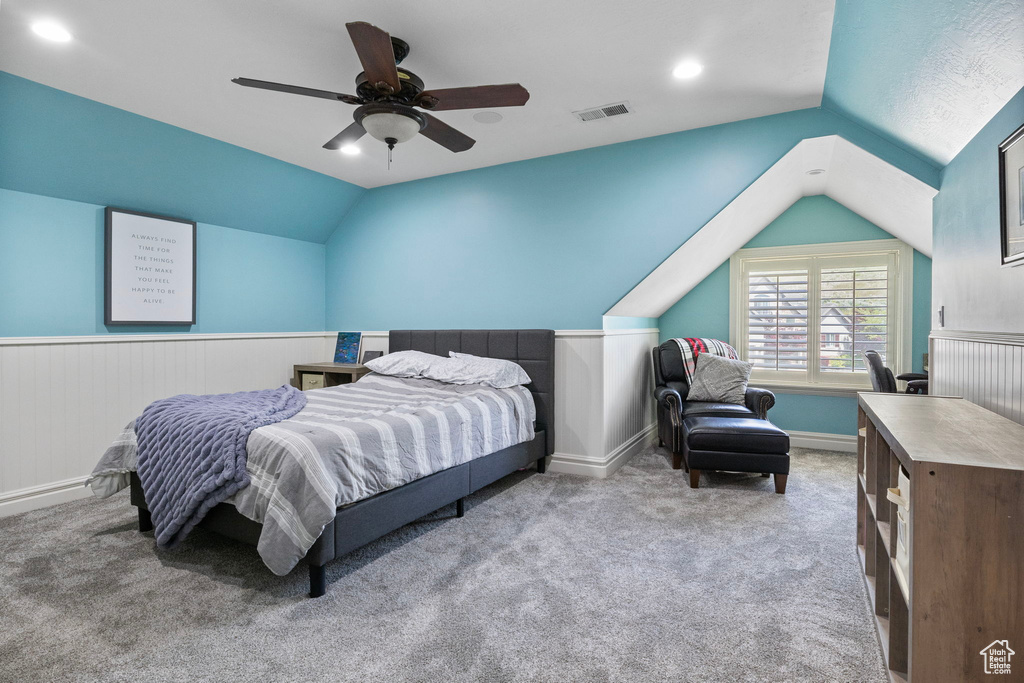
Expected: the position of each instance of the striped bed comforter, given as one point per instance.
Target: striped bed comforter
(351, 442)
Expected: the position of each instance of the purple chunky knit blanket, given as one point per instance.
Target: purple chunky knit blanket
(192, 454)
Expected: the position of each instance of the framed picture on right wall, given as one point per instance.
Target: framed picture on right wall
(1011, 197)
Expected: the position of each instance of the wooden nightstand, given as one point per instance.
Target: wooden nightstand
(320, 375)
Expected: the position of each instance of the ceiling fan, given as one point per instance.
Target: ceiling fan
(388, 97)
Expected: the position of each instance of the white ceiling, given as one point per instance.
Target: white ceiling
(173, 61)
(876, 190)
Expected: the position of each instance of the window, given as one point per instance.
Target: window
(804, 315)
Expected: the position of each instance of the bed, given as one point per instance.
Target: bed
(368, 519)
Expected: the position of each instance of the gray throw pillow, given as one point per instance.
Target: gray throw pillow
(719, 379)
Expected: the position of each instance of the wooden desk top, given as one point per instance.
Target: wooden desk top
(946, 430)
(329, 367)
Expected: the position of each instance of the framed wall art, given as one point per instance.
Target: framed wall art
(1011, 197)
(150, 269)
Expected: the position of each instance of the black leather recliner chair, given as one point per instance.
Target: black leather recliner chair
(670, 392)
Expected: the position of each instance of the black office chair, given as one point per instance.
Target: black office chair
(882, 379)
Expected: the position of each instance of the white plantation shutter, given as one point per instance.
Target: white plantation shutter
(777, 321)
(853, 316)
(805, 315)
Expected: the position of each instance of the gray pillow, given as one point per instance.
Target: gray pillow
(404, 363)
(493, 372)
(719, 379)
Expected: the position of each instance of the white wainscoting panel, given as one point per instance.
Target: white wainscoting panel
(579, 395)
(64, 399)
(628, 387)
(604, 409)
(372, 341)
(983, 367)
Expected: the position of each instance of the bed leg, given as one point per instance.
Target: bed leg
(460, 507)
(145, 521)
(317, 581)
(542, 465)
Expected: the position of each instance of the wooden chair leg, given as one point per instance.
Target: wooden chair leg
(677, 461)
(694, 478)
(780, 483)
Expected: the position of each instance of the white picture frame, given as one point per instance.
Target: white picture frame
(150, 269)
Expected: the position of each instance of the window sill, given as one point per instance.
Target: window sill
(809, 389)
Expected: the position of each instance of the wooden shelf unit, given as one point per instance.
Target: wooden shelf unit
(965, 587)
(326, 374)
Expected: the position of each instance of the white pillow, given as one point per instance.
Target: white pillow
(404, 363)
(464, 368)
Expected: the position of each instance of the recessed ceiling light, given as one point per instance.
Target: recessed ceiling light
(350, 150)
(487, 117)
(816, 171)
(51, 31)
(688, 69)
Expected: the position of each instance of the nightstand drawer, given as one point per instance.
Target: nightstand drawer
(312, 381)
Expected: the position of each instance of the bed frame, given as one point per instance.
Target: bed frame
(367, 520)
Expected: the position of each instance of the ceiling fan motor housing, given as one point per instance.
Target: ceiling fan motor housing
(412, 86)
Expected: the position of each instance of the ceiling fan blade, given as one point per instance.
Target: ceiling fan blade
(298, 90)
(446, 136)
(373, 46)
(477, 97)
(346, 137)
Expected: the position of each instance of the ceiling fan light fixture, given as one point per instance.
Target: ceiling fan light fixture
(391, 127)
(350, 150)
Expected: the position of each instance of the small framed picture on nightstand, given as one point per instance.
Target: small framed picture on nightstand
(347, 348)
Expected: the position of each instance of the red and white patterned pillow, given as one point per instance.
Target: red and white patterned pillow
(691, 347)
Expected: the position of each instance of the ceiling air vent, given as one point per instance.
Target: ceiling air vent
(617, 109)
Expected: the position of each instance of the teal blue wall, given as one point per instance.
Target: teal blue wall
(704, 311)
(625, 322)
(63, 158)
(977, 292)
(51, 275)
(555, 241)
(56, 144)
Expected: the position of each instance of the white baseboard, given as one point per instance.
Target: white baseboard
(601, 468)
(35, 497)
(823, 442)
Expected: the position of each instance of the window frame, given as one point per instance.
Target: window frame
(899, 323)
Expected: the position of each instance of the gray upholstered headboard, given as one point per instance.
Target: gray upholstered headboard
(532, 349)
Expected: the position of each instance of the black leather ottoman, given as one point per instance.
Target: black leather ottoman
(735, 445)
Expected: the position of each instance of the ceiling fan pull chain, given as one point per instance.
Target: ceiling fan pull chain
(391, 142)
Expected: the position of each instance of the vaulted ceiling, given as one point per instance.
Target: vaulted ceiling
(926, 74)
(173, 61)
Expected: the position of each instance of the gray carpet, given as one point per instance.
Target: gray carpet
(548, 578)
